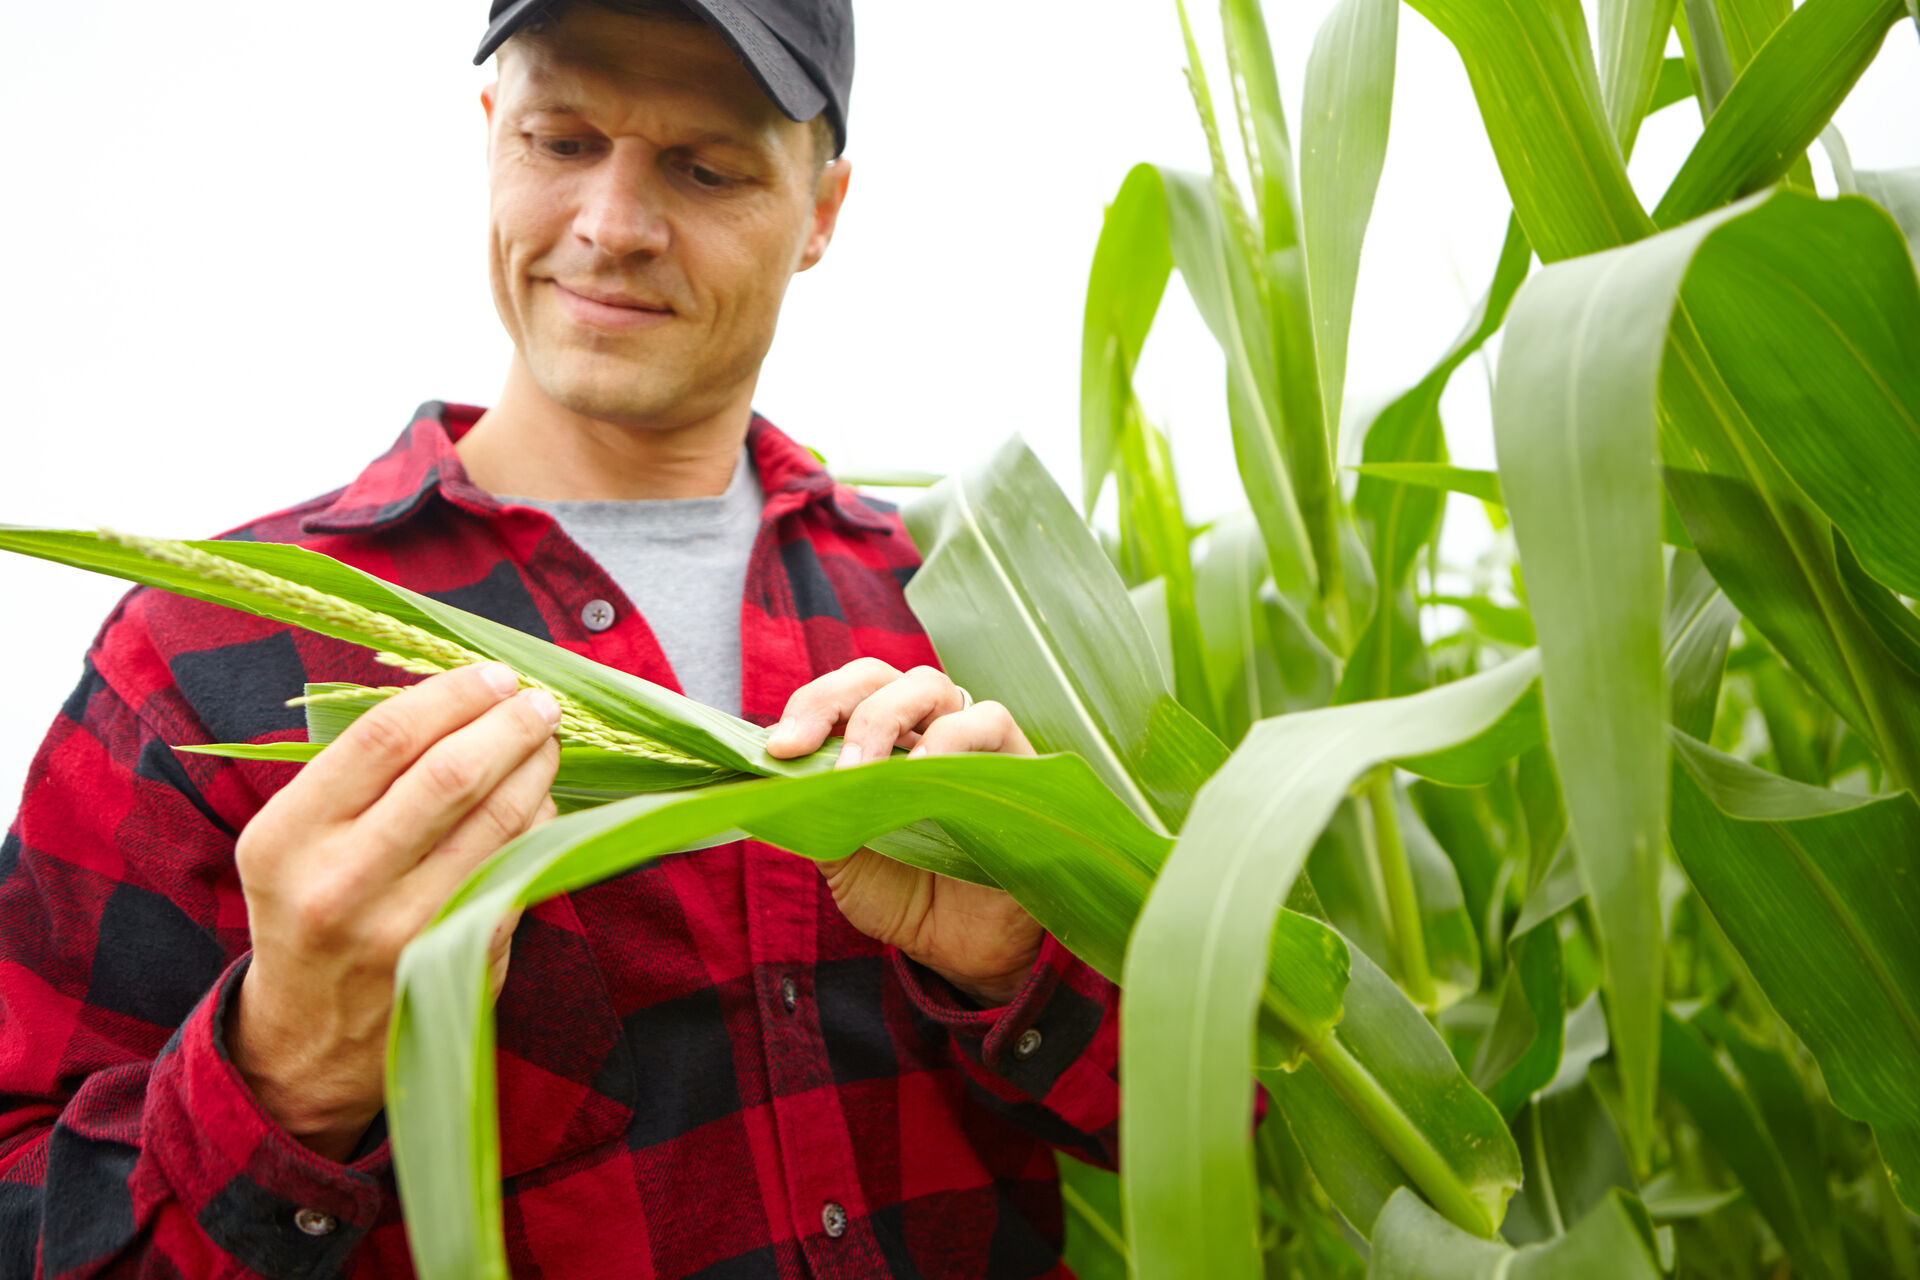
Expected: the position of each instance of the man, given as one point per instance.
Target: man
(727, 1064)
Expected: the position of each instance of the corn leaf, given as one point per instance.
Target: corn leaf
(1828, 923)
(1262, 658)
(1533, 74)
(1131, 264)
(1730, 1121)
(1613, 1242)
(1575, 412)
(1780, 104)
(1346, 107)
(1073, 853)
(1389, 657)
(1632, 39)
(1192, 985)
(1020, 600)
(1573, 1160)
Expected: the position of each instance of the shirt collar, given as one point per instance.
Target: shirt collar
(422, 462)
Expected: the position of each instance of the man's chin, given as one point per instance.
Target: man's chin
(624, 396)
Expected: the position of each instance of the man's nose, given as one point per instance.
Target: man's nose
(621, 207)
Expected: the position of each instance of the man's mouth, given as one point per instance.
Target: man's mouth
(604, 309)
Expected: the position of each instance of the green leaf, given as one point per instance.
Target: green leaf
(1389, 658)
(1800, 880)
(1673, 85)
(1204, 933)
(1816, 339)
(1484, 485)
(1748, 24)
(1728, 1119)
(1533, 75)
(1452, 947)
(1613, 1242)
(1025, 608)
(1573, 1160)
(1047, 828)
(1262, 658)
(1257, 98)
(1095, 1249)
(1131, 264)
(1779, 105)
(1711, 58)
(1699, 628)
(1153, 544)
(1504, 623)
(1895, 190)
(1781, 1098)
(1344, 115)
(1521, 1051)
(1632, 39)
(714, 738)
(1227, 294)
(1576, 425)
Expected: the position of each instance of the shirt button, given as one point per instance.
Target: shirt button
(315, 1223)
(598, 615)
(1028, 1044)
(833, 1217)
(789, 994)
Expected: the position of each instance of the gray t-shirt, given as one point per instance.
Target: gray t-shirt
(683, 563)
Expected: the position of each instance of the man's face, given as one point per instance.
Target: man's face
(649, 205)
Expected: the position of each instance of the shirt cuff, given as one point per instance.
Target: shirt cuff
(259, 1194)
(1057, 1041)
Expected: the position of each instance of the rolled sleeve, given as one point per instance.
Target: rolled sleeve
(1055, 1044)
(258, 1193)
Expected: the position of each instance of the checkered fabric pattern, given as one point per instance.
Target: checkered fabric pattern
(704, 1070)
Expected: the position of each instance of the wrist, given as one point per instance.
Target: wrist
(991, 991)
(323, 1091)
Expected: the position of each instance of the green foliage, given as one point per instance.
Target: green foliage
(1594, 959)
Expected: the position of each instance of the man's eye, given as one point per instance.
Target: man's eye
(708, 178)
(563, 148)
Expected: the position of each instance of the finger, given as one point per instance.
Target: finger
(356, 769)
(985, 726)
(456, 774)
(915, 701)
(511, 810)
(817, 706)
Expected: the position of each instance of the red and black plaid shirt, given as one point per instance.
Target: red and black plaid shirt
(704, 1070)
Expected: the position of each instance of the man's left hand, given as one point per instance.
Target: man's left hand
(977, 938)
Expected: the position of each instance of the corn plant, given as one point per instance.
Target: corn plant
(1580, 940)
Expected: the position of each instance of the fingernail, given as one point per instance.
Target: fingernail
(916, 753)
(850, 755)
(545, 703)
(499, 677)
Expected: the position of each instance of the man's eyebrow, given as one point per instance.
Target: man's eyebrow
(552, 107)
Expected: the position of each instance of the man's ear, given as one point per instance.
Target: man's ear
(829, 193)
(487, 97)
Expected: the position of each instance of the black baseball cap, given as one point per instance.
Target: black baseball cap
(801, 51)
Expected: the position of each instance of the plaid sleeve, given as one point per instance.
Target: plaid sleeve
(1049, 1059)
(128, 1142)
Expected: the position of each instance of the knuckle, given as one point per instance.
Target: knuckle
(381, 737)
(449, 776)
(995, 714)
(872, 668)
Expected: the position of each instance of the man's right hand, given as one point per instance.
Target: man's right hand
(348, 862)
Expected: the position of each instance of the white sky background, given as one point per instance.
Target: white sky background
(247, 240)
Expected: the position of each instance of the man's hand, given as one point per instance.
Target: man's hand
(350, 860)
(977, 938)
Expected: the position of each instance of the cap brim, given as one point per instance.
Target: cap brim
(781, 75)
(511, 19)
